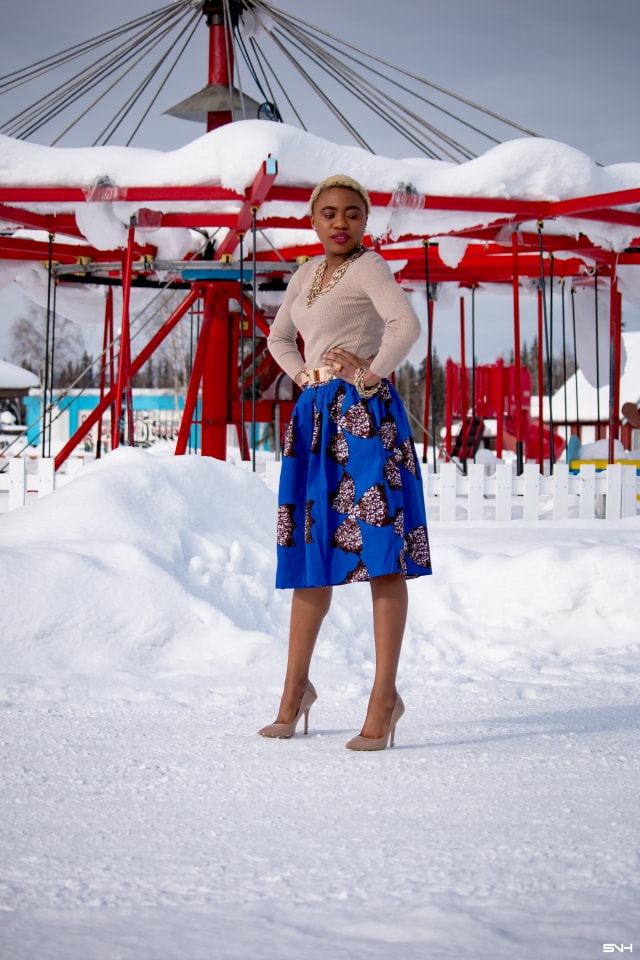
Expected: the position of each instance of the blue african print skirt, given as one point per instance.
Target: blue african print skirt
(351, 501)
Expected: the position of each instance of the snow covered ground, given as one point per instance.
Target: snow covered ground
(143, 645)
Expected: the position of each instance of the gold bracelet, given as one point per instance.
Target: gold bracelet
(358, 379)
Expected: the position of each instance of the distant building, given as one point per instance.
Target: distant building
(586, 410)
(15, 384)
(156, 418)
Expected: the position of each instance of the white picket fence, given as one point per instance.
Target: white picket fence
(610, 494)
(24, 479)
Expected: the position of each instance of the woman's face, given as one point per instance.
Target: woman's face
(339, 218)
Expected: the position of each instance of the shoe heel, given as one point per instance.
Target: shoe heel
(284, 731)
(388, 740)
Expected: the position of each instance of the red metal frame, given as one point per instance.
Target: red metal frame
(107, 362)
(488, 261)
(123, 393)
(615, 344)
(497, 398)
(219, 372)
(136, 365)
(517, 352)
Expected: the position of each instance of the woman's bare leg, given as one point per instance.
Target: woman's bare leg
(390, 602)
(309, 606)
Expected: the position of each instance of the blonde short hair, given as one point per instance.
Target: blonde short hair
(340, 180)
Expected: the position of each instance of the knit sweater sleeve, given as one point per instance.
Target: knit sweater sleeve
(282, 340)
(401, 323)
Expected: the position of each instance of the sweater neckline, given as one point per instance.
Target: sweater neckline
(316, 290)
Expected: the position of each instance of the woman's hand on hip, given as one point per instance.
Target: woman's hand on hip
(345, 363)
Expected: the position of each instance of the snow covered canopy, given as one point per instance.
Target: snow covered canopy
(86, 197)
(525, 209)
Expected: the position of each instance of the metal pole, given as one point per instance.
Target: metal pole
(473, 361)
(564, 361)
(575, 357)
(106, 334)
(543, 327)
(45, 387)
(241, 438)
(220, 62)
(549, 348)
(595, 282)
(53, 353)
(464, 400)
(517, 354)
(197, 373)
(540, 384)
(428, 366)
(124, 359)
(254, 341)
(615, 333)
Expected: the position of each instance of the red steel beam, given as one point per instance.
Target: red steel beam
(624, 218)
(221, 62)
(256, 195)
(20, 248)
(49, 222)
(509, 212)
(490, 272)
(517, 353)
(194, 294)
(476, 256)
(615, 350)
(532, 209)
(242, 411)
(576, 206)
(264, 188)
(124, 394)
(132, 194)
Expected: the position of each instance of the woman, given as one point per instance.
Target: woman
(351, 502)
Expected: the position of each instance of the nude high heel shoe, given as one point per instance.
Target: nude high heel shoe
(380, 743)
(284, 731)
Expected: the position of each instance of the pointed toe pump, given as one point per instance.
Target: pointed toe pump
(380, 743)
(284, 731)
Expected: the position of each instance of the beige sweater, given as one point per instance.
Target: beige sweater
(366, 313)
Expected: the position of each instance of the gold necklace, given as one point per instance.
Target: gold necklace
(316, 290)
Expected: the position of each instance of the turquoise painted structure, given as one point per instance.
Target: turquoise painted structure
(77, 404)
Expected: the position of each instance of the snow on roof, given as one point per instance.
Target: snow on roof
(587, 392)
(16, 378)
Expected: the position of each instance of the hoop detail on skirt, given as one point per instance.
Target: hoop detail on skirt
(351, 501)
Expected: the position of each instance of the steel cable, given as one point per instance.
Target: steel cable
(323, 96)
(286, 96)
(117, 121)
(78, 86)
(413, 93)
(353, 81)
(278, 16)
(25, 74)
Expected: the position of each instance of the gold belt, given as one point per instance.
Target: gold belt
(318, 375)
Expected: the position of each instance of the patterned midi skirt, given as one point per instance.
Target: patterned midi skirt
(351, 501)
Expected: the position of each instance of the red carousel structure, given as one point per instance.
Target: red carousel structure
(231, 367)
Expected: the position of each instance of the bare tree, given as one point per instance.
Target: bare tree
(29, 347)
